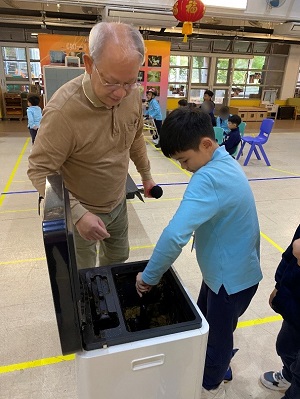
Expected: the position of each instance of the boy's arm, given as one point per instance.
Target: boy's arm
(286, 256)
(29, 117)
(200, 203)
(296, 250)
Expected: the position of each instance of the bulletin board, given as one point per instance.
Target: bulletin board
(56, 76)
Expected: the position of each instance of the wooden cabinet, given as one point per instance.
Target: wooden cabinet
(249, 114)
(13, 106)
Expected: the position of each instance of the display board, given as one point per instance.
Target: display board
(56, 76)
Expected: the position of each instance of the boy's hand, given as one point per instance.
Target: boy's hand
(140, 286)
(296, 250)
(272, 296)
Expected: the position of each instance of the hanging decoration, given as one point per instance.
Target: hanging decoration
(188, 11)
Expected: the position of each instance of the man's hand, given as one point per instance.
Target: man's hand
(140, 286)
(272, 296)
(148, 184)
(296, 250)
(91, 227)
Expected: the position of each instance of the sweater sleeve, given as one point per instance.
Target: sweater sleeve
(199, 204)
(138, 152)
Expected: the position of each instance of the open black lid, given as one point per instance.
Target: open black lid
(61, 259)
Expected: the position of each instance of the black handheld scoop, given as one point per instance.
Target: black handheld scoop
(142, 321)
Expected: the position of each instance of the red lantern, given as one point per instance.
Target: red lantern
(188, 11)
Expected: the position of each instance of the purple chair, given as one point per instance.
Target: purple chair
(264, 133)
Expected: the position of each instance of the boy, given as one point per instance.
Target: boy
(233, 138)
(208, 95)
(182, 103)
(34, 115)
(219, 207)
(208, 108)
(222, 119)
(285, 299)
(154, 112)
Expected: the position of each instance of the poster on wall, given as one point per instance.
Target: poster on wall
(156, 71)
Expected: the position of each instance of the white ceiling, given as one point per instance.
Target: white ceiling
(83, 13)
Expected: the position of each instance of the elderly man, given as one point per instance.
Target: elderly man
(90, 128)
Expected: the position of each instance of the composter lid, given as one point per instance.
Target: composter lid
(61, 259)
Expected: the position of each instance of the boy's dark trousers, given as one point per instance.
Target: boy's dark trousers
(33, 134)
(221, 312)
(158, 125)
(288, 348)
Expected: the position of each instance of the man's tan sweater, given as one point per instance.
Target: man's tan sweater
(90, 146)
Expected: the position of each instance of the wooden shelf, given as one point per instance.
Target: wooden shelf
(249, 114)
(13, 106)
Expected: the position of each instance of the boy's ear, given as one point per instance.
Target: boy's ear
(206, 143)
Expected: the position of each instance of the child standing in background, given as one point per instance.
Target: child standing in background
(34, 115)
(154, 112)
(208, 106)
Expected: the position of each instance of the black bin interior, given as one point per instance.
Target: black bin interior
(115, 314)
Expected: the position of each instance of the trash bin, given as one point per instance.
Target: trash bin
(126, 346)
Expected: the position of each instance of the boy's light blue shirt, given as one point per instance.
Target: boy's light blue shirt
(154, 110)
(34, 115)
(218, 205)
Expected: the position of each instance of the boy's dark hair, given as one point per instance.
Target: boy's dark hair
(183, 130)
(33, 100)
(192, 105)
(235, 119)
(209, 92)
(224, 109)
(183, 102)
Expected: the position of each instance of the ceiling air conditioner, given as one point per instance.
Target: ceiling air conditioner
(140, 17)
(287, 29)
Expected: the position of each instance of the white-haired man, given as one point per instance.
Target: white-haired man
(90, 129)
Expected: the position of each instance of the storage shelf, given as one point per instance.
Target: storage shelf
(13, 106)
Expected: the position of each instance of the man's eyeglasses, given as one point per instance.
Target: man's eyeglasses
(116, 86)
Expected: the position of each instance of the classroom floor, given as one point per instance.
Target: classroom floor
(31, 366)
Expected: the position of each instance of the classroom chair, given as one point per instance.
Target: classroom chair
(242, 127)
(258, 141)
(219, 134)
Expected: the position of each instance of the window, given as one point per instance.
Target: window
(248, 75)
(200, 67)
(178, 75)
(15, 63)
(21, 67)
(222, 71)
(297, 89)
(35, 66)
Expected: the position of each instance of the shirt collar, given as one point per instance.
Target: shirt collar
(89, 92)
(219, 153)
